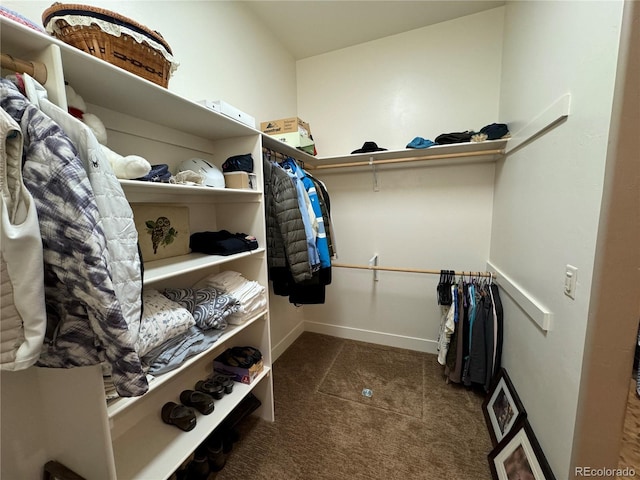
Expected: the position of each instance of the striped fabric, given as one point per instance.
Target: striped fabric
(85, 324)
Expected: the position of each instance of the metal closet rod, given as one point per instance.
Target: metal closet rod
(271, 151)
(37, 70)
(411, 270)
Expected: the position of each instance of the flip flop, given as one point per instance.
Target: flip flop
(202, 402)
(182, 417)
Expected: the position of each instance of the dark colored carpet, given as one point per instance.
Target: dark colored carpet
(414, 426)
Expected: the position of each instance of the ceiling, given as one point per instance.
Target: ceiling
(312, 27)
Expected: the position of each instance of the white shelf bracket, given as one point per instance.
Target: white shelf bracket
(544, 122)
(373, 262)
(376, 188)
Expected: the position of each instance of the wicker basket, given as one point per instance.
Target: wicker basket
(113, 38)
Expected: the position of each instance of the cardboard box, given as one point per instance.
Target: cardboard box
(286, 125)
(310, 149)
(239, 374)
(294, 139)
(241, 180)
(230, 111)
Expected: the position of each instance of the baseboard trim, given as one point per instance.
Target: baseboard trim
(370, 336)
(287, 341)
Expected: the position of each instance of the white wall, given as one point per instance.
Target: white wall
(440, 78)
(224, 52)
(429, 217)
(547, 198)
(615, 291)
(436, 79)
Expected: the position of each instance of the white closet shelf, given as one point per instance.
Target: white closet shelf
(119, 405)
(136, 453)
(170, 267)
(273, 143)
(137, 188)
(101, 83)
(487, 151)
(22, 40)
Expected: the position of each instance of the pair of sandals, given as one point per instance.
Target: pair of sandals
(217, 385)
(201, 399)
(243, 357)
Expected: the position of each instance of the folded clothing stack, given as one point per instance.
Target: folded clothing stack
(222, 242)
(250, 295)
(159, 173)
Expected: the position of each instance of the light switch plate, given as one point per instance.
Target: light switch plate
(570, 281)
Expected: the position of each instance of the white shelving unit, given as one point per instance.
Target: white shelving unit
(169, 267)
(67, 416)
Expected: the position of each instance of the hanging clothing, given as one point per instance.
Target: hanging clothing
(312, 216)
(482, 344)
(452, 353)
(307, 211)
(447, 327)
(85, 324)
(310, 188)
(286, 236)
(499, 327)
(116, 215)
(325, 207)
(462, 337)
(470, 339)
(23, 317)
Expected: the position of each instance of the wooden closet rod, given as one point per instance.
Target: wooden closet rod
(37, 70)
(410, 159)
(410, 270)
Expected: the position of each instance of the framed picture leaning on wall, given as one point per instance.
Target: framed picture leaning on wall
(502, 408)
(519, 456)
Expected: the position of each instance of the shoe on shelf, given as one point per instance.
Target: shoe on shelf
(214, 449)
(236, 358)
(198, 468)
(215, 389)
(202, 402)
(224, 380)
(179, 415)
(252, 353)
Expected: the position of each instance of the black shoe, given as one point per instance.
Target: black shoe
(198, 468)
(215, 389)
(182, 417)
(215, 453)
(198, 400)
(223, 380)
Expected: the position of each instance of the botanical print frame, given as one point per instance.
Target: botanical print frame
(519, 456)
(502, 408)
